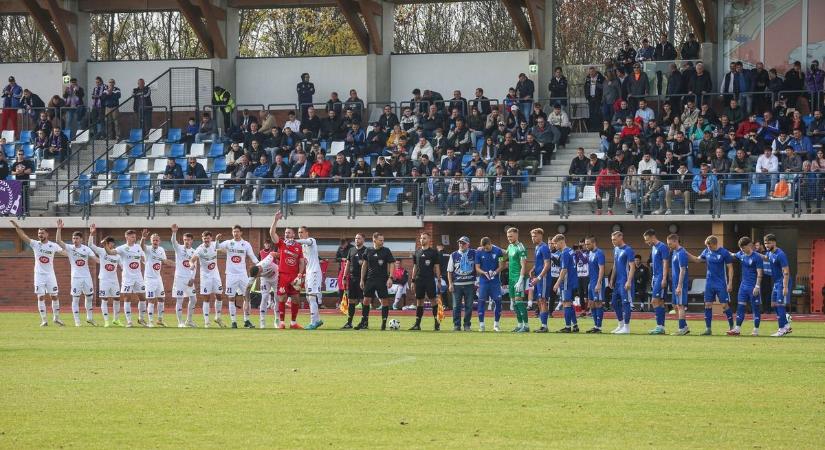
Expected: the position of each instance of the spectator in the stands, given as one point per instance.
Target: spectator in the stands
(422, 147)
(459, 137)
(475, 162)
(665, 119)
(355, 140)
(111, 100)
(747, 127)
(262, 170)
(802, 145)
(546, 135)
(290, 140)
(425, 164)
(538, 111)
(43, 123)
(395, 136)
(664, 50)
(489, 150)
(669, 165)
(292, 123)
(631, 189)
(690, 48)
(734, 112)
(816, 129)
(32, 104)
(376, 139)
(515, 117)
(311, 124)
(623, 162)
(475, 125)
(593, 91)
(12, 95)
(240, 177)
(388, 119)
(432, 121)
(614, 146)
(267, 121)
(638, 85)
(680, 186)
(41, 144)
(58, 146)
(621, 115)
(479, 188)
(332, 129)
(481, 102)
(725, 127)
(341, 169)
(458, 191)
(769, 129)
(696, 132)
(196, 176)
(558, 87)
(402, 167)
(206, 129)
(578, 167)
(740, 166)
(608, 184)
(409, 121)
(559, 119)
(4, 166)
(322, 168)
(791, 163)
(594, 166)
(659, 149)
(701, 84)
(306, 90)
(458, 102)
(690, 114)
(279, 168)
(703, 186)
(55, 108)
(510, 149)
(254, 134)
(435, 190)
(767, 166)
(525, 90)
(302, 166)
(362, 170)
(626, 56)
(682, 149)
(451, 163)
(273, 140)
(719, 162)
(646, 51)
(246, 120)
(629, 130)
(189, 132)
(644, 114)
(648, 164)
(335, 104)
(709, 115)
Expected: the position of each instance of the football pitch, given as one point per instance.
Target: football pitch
(221, 388)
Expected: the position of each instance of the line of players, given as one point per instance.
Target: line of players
(470, 272)
(141, 282)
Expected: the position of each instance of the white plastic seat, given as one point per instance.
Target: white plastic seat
(159, 166)
(167, 197)
(63, 197)
(155, 134)
(82, 137)
(589, 194)
(310, 196)
(336, 147)
(207, 197)
(8, 135)
(354, 195)
(223, 178)
(205, 163)
(196, 150)
(105, 197)
(46, 165)
(118, 150)
(141, 165)
(158, 150)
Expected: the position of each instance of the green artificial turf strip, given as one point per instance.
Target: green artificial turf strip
(182, 388)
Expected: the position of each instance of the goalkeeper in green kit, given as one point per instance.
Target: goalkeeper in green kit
(517, 264)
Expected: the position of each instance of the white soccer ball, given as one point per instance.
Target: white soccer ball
(395, 325)
(788, 318)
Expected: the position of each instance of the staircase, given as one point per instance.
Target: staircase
(541, 195)
(41, 201)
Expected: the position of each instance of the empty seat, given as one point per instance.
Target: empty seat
(291, 196)
(124, 181)
(216, 149)
(374, 195)
(173, 135)
(136, 151)
(144, 180)
(47, 165)
(155, 134)
(118, 150)
(207, 197)
(269, 196)
(331, 195)
(25, 137)
(310, 195)
(158, 150)
(159, 166)
(84, 181)
(8, 135)
(733, 192)
(120, 165)
(142, 165)
(28, 151)
(223, 178)
(589, 193)
(68, 133)
(177, 151)
(84, 196)
(101, 166)
(568, 194)
(228, 196)
(759, 191)
(9, 150)
(105, 197)
(336, 147)
(124, 197)
(82, 137)
(187, 197)
(166, 197)
(393, 193)
(219, 164)
(143, 197)
(196, 150)
(135, 136)
(354, 194)
(63, 197)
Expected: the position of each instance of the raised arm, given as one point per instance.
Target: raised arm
(174, 237)
(20, 233)
(58, 235)
(273, 233)
(143, 235)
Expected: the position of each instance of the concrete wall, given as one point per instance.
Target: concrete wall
(273, 80)
(44, 79)
(494, 72)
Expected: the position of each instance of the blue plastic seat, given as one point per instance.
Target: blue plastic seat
(84, 181)
(269, 196)
(28, 151)
(479, 144)
(183, 163)
(173, 135)
(121, 165)
(466, 159)
(124, 197)
(144, 180)
(9, 149)
(84, 196)
(219, 165)
(733, 192)
(186, 197)
(68, 133)
(216, 150)
(25, 137)
(136, 151)
(227, 196)
(332, 195)
(393, 193)
(374, 195)
(569, 194)
(291, 196)
(144, 197)
(759, 191)
(135, 136)
(124, 181)
(177, 151)
(101, 166)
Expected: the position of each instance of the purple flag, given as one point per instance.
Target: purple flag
(11, 198)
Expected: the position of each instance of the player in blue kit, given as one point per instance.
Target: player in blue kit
(749, 294)
(719, 284)
(621, 281)
(595, 287)
(781, 294)
(659, 255)
(488, 267)
(679, 281)
(567, 283)
(539, 276)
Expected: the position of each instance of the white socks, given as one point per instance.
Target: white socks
(246, 310)
(159, 310)
(179, 309)
(314, 315)
(141, 309)
(151, 311)
(116, 309)
(41, 308)
(218, 308)
(90, 308)
(127, 311)
(205, 306)
(193, 301)
(104, 307)
(76, 309)
(55, 309)
(233, 311)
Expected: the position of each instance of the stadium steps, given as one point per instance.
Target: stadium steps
(41, 201)
(542, 196)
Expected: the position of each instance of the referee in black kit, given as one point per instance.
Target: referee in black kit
(426, 269)
(352, 275)
(375, 280)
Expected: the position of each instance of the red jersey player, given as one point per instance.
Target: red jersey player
(290, 268)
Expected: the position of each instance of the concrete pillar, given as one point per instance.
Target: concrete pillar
(379, 70)
(225, 67)
(544, 57)
(80, 32)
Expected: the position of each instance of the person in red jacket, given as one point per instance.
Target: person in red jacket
(608, 184)
(322, 167)
(630, 129)
(746, 127)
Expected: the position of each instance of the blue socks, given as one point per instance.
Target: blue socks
(596, 312)
(497, 308)
(617, 308)
(568, 315)
(708, 317)
(740, 314)
(682, 324)
(543, 317)
(480, 307)
(729, 315)
(780, 316)
(757, 316)
(626, 309)
(660, 315)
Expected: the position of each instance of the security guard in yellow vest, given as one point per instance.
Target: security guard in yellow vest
(223, 99)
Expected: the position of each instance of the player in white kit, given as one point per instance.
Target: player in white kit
(314, 277)
(155, 259)
(206, 256)
(265, 272)
(237, 251)
(132, 286)
(184, 284)
(108, 286)
(45, 282)
(79, 256)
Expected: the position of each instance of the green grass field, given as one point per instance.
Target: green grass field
(172, 388)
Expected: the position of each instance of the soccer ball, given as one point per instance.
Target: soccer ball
(788, 318)
(395, 325)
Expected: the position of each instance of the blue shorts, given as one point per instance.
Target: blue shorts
(620, 293)
(714, 292)
(657, 287)
(778, 298)
(566, 295)
(745, 296)
(489, 290)
(593, 295)
(542, 289)
(681, 300)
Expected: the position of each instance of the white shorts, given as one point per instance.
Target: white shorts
(313, 282)
(211, 285)
(268, 285)
(181, 288)
(83, 286)
(397, 289)
(154, 289)
(108, 289)
(132, 286)
(45, 284)
(236, 285)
